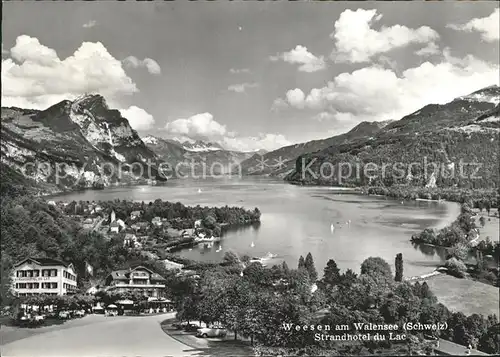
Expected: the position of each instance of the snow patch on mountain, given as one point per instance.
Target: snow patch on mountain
(151, 140)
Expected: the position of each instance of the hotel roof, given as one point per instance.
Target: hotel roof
(43, 261)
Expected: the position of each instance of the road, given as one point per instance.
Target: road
(120, 336)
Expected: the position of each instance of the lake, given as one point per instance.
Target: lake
(298, 219)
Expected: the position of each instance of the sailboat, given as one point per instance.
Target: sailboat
(252, 245)
(199, 190)
(332, 228)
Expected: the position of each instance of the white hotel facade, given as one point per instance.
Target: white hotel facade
(33, 276)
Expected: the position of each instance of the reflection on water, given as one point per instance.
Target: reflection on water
(298, 219)
(431, 250)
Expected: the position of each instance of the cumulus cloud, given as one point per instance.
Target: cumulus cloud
(138, 118)
(238, 71)
(150, 64)
(35, 76)
(89, 24)
(356, 41)
(377, 93)
(488, 27)
(242, 87)
(300, 55)
(204, 127)
(200, 126)
(429, 50)
(295, 97)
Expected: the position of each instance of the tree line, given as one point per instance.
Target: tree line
(254, 302)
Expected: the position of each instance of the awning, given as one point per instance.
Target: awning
(153, 299)
(125, 302)
(97, 307)
(112, 306)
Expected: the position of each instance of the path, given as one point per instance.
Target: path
(116, 336)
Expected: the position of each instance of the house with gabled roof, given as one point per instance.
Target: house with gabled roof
(139, 279)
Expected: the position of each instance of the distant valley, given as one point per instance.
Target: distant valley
(78, 137)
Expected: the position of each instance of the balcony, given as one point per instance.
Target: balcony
(141, 286)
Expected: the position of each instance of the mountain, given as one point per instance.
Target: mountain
(428, 147)
(73, 144)
(201, 146)
(202, 157)
(281, 161)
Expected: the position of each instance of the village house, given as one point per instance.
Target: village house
(114, 227)
(135, 214)
(157, 221)
(88, 223)
(130, 239)
(34, 276)
(197, 224)
(140, 226)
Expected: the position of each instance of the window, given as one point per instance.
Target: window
(46, 272)
(53, 272)
(36, 273)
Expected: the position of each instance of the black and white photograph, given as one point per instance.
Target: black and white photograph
(250, 178)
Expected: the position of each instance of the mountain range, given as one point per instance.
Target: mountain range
(195, 157)
(427, 147)
(73, 144)
(90, 146)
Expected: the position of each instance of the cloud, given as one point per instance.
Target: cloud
(150, 64)
(204, 127)
(4, 51)
(267, 142)
(35, 77)
(376, 93)
(488, 27)
(357, 42)
(430, 49)
(279, 104)
(241, 88)
(89, 24)
(300, 55)
(238, 71)
(200, 126)
(295, 97)
(138, 118)
(324, 116)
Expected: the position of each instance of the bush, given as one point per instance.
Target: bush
(456, 267)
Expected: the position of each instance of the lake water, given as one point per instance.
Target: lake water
(296, 220)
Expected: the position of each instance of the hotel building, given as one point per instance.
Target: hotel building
(139, 279)
(33, 276)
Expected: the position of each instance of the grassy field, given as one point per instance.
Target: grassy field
(465, 295)
(491, 228)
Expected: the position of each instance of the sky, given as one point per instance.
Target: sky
(249, 75)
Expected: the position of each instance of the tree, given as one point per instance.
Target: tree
(209, 222)
(459, 251)
(302, 263)
(399, 267)
(231, 258)
(482, 221)
(311, 269)
(331, 274)
(456, 267)
(376, 266)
